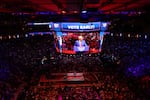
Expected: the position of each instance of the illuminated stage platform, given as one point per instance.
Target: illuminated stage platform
(64, 77)
(68, 79)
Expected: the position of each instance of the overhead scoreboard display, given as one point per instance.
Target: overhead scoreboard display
(75, 37)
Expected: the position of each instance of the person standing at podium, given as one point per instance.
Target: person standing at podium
(80, 45)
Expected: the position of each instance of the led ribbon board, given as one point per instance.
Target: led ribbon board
(91, 26)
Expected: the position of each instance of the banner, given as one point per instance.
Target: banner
(91, 26)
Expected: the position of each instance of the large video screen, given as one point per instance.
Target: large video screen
(78, 42)
(79, 38)
(76, 37)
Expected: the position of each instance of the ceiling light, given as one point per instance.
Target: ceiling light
(75, 11)
(84, 11)
(63, 12)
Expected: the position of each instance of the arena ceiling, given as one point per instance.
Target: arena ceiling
(73, 6)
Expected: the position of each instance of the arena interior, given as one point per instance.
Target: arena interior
(74, 50)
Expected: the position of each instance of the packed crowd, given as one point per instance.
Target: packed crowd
(132, 52)
(105, 86)
(22, 65)
(20, 59)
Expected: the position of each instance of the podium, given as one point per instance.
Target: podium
(81, 49)
(75, 77)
